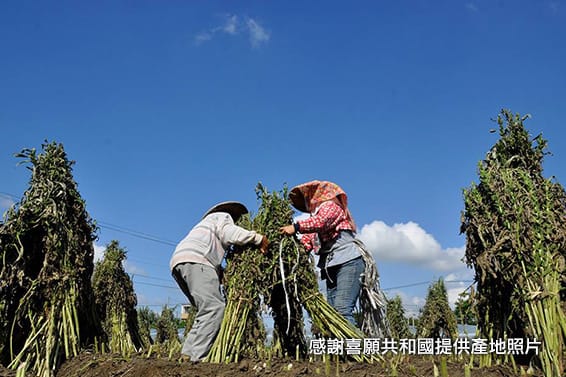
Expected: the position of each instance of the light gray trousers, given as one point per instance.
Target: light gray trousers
(201, 285)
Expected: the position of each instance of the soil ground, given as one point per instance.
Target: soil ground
(89, 365)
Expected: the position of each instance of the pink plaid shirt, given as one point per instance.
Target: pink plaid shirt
(328, 220)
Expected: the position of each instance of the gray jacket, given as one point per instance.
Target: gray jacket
(208, 241)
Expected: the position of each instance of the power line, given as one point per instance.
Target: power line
(158, 285)
(136, 233)
(384, 289)
(426, 282)
(161, 305)
(117, 228)
(120, 229)
(150, 277)
(8, 196)
(128, 259)
(149, 237)
(406, 286)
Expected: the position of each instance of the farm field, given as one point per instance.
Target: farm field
(278, 188)
(99, 299)
(89, 365)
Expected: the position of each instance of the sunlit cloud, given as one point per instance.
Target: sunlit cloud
(411, 304)
(258, 35)
(234, 25)
(98, 252)
(408, 243)
(132, 269)
(231, 25)
(411, 244)
(457, 283)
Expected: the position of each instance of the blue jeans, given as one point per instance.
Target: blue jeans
(343, 285)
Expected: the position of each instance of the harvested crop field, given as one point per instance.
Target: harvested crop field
(89, 365)
(50, 288)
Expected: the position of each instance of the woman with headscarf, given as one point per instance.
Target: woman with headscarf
(345, 263)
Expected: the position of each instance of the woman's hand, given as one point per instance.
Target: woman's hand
(287, 229)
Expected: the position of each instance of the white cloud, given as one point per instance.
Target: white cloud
(129, 267)
(456, 283)
(258, 35)
(132, 269)
(202, 37)
(233, 25)
(6, 203)
(472, 7)
(98, 252)
(229, 26)
(411, 244)
(454, 293)
(302, 216)
(411, 304)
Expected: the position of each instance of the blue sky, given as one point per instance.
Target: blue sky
(170, 107)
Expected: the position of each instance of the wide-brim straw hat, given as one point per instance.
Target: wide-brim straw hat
(234, 209)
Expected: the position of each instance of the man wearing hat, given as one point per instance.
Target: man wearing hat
(195, 265)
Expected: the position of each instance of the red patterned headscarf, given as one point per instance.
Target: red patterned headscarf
(308, 196)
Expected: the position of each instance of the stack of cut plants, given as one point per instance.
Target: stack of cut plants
(284, 281)
(515, 224)
(437, 320)
(47, 310)
(116, 302)
(166, 336)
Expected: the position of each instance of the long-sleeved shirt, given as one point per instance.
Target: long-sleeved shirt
(327, 222)
(208, 241)
(336, 234)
